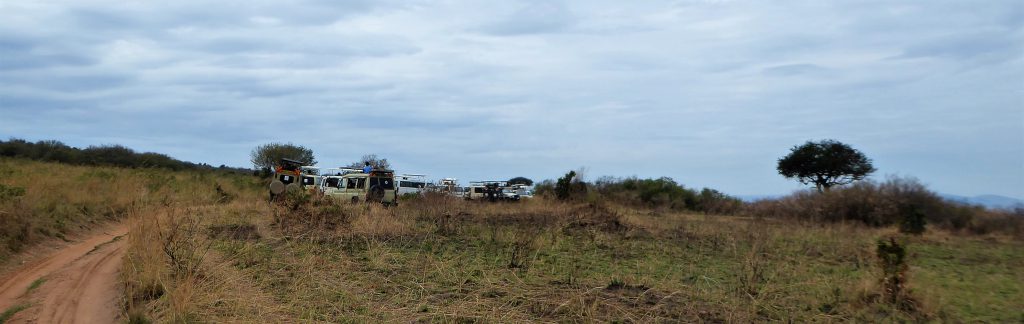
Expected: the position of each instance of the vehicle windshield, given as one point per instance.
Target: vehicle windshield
(384, 183)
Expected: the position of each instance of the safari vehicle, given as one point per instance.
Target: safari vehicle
(411, 183)
(310, 178)
(286, 176)
(490, 191)
(291, 175)
(377, 186)
(450, 186)
(520, 189)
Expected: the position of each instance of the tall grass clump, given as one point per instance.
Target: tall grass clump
(172, 273)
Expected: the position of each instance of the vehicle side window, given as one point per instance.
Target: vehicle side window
(332, 182)
(286, 179)
(478, 190)
(360, 183)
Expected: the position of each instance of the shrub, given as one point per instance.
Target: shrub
(570, 186)
(904, 202)
(665, 193)
(892, 258)
(913, 222)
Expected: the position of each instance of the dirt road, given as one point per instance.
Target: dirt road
(76, 284)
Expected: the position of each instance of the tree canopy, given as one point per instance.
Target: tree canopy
(825, 164)
(268, 155)
(520, 180)
(377, 163)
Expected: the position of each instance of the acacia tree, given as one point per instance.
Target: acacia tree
(826, 163)
(266, 156)
(520, 180)
(377, 163)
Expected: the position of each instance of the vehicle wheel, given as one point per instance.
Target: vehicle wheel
(355, 200)
(276, 187)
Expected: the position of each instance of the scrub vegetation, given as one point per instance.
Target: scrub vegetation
(440, 259)
(207, 247)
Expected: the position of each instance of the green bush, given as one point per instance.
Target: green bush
(913, 222)
(570, 186)
(665, 193)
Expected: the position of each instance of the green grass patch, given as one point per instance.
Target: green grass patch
(7, 314)
(971, 280)
(35, 284)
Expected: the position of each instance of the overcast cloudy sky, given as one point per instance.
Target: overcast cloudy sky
(710, 93)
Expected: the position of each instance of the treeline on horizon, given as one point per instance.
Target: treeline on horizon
(101, 155)
(901, 202)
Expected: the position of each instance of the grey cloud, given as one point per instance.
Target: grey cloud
(794, 70)
(22, 52)
(997, 46)
(75, 82)
(536, 17)
(709, 93)
(167, 15)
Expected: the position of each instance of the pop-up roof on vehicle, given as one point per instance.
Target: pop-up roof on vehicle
(382, 173)
(290, 165)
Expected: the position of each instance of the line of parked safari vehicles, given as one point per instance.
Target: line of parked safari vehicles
(382, 186)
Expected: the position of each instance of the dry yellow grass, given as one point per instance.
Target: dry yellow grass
(59, 199)
(192, 258)
(172, 274)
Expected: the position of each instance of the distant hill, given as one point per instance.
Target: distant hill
(989, 201)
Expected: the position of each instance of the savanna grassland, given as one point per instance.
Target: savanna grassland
(208, 247)
(439, 259)
(41, 200)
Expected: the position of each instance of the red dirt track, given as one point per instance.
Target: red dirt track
(81, 283)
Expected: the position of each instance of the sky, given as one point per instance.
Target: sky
(709, 93)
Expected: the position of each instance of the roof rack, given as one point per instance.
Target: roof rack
(407, 176)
